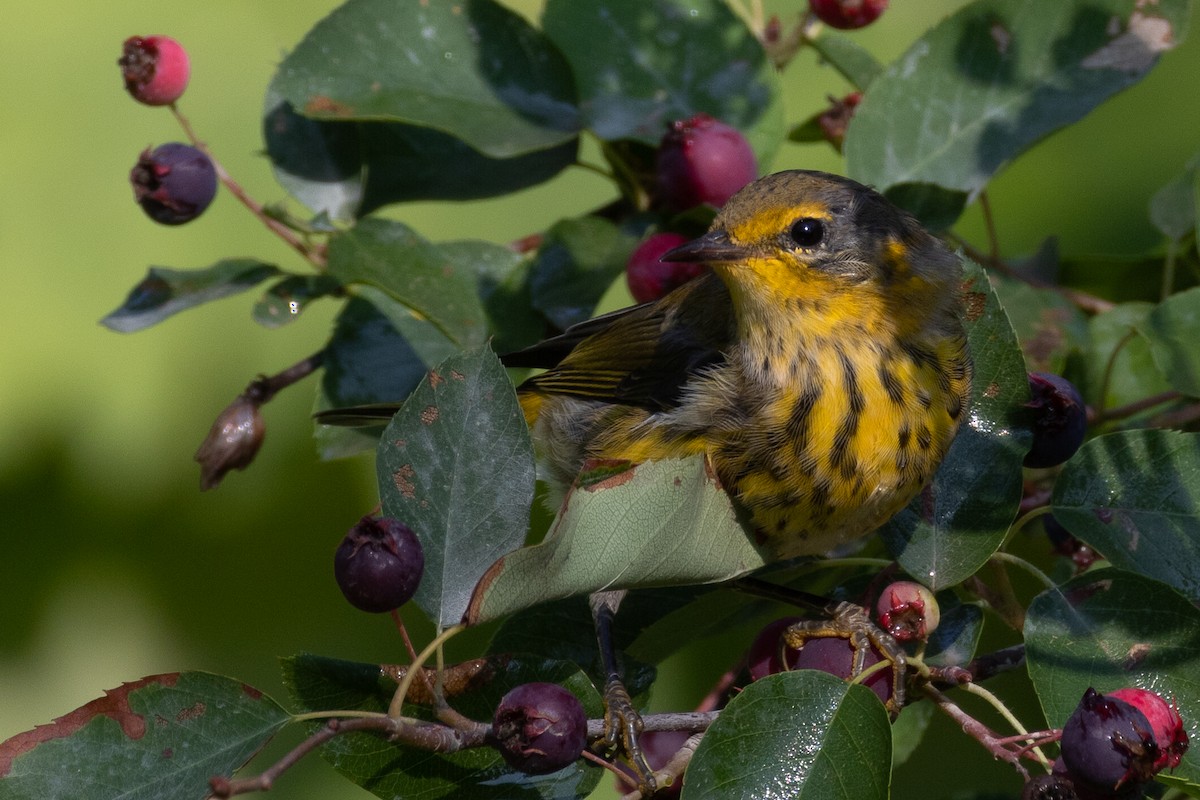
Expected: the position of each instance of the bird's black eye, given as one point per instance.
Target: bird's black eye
(808, 232)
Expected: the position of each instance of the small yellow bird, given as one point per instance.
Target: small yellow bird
(821, 366)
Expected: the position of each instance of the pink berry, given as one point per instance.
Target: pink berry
(648, 277)
(702, 160)
(847, 14)
(908, 611)
(155, 69)
(1164, 719)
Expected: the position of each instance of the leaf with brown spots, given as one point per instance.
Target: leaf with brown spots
(158, 738)
(456, 465)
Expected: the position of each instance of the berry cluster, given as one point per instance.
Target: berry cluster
(173, 183)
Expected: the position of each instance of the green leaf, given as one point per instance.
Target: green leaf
(564, 630)
(655, 524)
(366, 361)
(394, 771)
(502, 277)
(1173, 207)
(456, 465)
(1108, 629)
(1173, 329)
(1048, 326)
(347, 169)
(578, 260)
(994, 78)
(640, 64)
(288, 298)
(954, 526)
(909, 730)
(1135, 497)
(158, 738)
(165, 291)
(803, 735)
(474, 70)
(391, 257)
(956, 638)
(1132, 374)
(854, 62)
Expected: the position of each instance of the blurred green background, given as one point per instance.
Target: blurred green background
(112, 564)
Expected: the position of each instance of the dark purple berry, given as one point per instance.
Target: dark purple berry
(847, 14)
(908, 611)
(659, 748)
(232, 442)
(539, 728)
(770, 654)
(173, 183)
(1059, 420)
(765, 656)
(1107, 744)
(378, 564)
(1049, 787)
(1164, 719)
(648, 277)
(155, 69)
(702, 160)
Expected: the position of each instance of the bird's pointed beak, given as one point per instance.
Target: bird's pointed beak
(713, 246)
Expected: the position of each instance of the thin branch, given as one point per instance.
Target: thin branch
(314, 255)
(1129, 409)
(976, 730)
(264, 387)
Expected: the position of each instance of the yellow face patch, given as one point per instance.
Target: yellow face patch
(766, 222)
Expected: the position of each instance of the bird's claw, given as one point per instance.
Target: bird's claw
(851, 622)
(623, 729)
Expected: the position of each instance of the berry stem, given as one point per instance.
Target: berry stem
(264, 387)
(313, 255)
(1017, 561)
(989, 224)
(1129, 409)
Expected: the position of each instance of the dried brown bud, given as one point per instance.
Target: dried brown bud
(232, 442)
(835, 119)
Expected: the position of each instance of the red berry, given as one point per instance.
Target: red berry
(155, 69)
(847, 14)
(702, 160)
(648, 277)
(1059, 419)
(539, 728)
(1164, 719)
(908, 611)
(174, 183)
(378, 565)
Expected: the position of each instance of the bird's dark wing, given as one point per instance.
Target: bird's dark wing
(644, 355)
